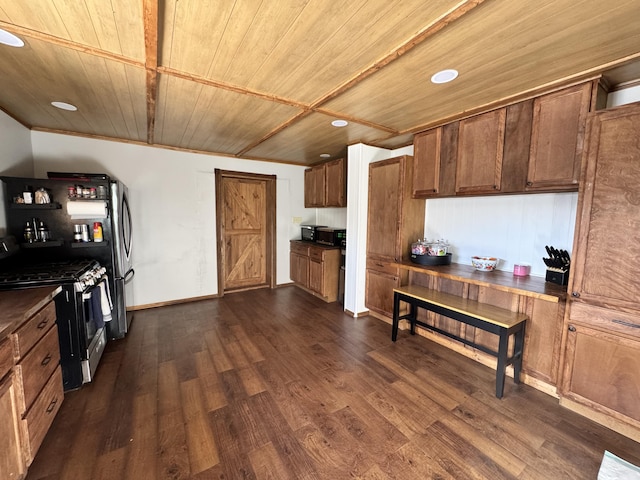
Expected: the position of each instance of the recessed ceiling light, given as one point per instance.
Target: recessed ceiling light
(10, 39)
(64, 106)
(444, 76)
(325, 155)
(339, 123)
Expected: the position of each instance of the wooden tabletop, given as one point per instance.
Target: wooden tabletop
(530, 285)
(17, 306)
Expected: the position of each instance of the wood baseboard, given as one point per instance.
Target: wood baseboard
(171, 302)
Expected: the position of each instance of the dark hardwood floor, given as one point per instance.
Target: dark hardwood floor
(276, 384)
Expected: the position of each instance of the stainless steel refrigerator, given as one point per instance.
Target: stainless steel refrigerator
(123, 272)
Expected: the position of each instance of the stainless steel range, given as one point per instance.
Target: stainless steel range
(83, 307)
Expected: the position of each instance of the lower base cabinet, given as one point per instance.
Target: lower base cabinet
(12, 459)
(315, 268)
(602, 363)
(381, 279)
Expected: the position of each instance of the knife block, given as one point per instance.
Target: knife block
(561, 277)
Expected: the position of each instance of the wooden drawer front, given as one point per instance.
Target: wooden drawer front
(6, 357)
(382, 267)
(316, 254)
(602, 318)
(41, 415)
(36, 368)
(33, 330)
(299, 248)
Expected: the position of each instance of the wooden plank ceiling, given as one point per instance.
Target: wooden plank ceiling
(263, 80)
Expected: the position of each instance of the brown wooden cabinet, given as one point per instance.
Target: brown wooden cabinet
(602, 329)
(316, 269)
(325, 185)
(395, 219)
(602, 362)
(299, 263)
(557, 138)
(434, 153)
(12, 460)
(39, 375)
(480, 153)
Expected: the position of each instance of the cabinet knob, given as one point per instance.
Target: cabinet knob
(575, 294)
(529, 184)
(572, 328)
(495, 187)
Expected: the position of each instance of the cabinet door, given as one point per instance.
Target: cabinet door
(336, 183)
(12, 463)
(434, 157)
(299, 269)
(316, 277)
(602, 370)
(480, 153)
(379, 292)
(606, 254)
(557, 138)
(314, 187)
(385, 200)
(426, 169)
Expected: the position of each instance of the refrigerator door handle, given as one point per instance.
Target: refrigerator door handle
(129, 275)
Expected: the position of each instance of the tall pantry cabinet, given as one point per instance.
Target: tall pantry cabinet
(394, 220)
(602, 326)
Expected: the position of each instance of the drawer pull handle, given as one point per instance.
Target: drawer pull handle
(572, 328)
(46, 360)
(42, 324)
(52, 405)
(626, 324)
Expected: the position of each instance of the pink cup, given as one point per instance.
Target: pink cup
(521, 269)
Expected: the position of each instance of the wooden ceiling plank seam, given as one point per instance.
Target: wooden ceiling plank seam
(150, 13)
(232, 88)
(62, 42)
(350, 118)
(275, 131)
(437, 25)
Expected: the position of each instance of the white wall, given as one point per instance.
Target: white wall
(172, 197)
(15, 157)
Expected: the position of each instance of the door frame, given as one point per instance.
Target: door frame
(270, 227)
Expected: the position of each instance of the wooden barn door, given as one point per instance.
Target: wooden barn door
(245, 207)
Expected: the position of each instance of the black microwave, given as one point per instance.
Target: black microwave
(335, 237)
(309, 232)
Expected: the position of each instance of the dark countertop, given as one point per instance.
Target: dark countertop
(529, 286)
(17, 306)
(314, 244)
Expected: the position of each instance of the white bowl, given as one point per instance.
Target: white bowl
(484, 264)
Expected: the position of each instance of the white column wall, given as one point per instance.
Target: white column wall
(172, 197)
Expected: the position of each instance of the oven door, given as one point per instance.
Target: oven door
(93, 331)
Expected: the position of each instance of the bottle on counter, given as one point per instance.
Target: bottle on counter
(29, 234)
(97, 232)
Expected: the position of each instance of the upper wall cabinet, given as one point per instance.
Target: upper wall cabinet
(325, 185)
(557, 138)
(530, 146)
(480, 153)
(434, 171)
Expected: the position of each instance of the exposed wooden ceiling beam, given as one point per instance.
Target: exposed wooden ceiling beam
(150, 12)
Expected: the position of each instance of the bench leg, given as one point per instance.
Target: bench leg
(396, 316)
(413, 317)
(518, 354)
(502, 363)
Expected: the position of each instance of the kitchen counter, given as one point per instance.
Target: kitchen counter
(17, 306)
(529, 286)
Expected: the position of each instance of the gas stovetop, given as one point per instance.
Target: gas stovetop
(48, 273)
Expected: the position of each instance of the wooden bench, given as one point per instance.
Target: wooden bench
(489, 318)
